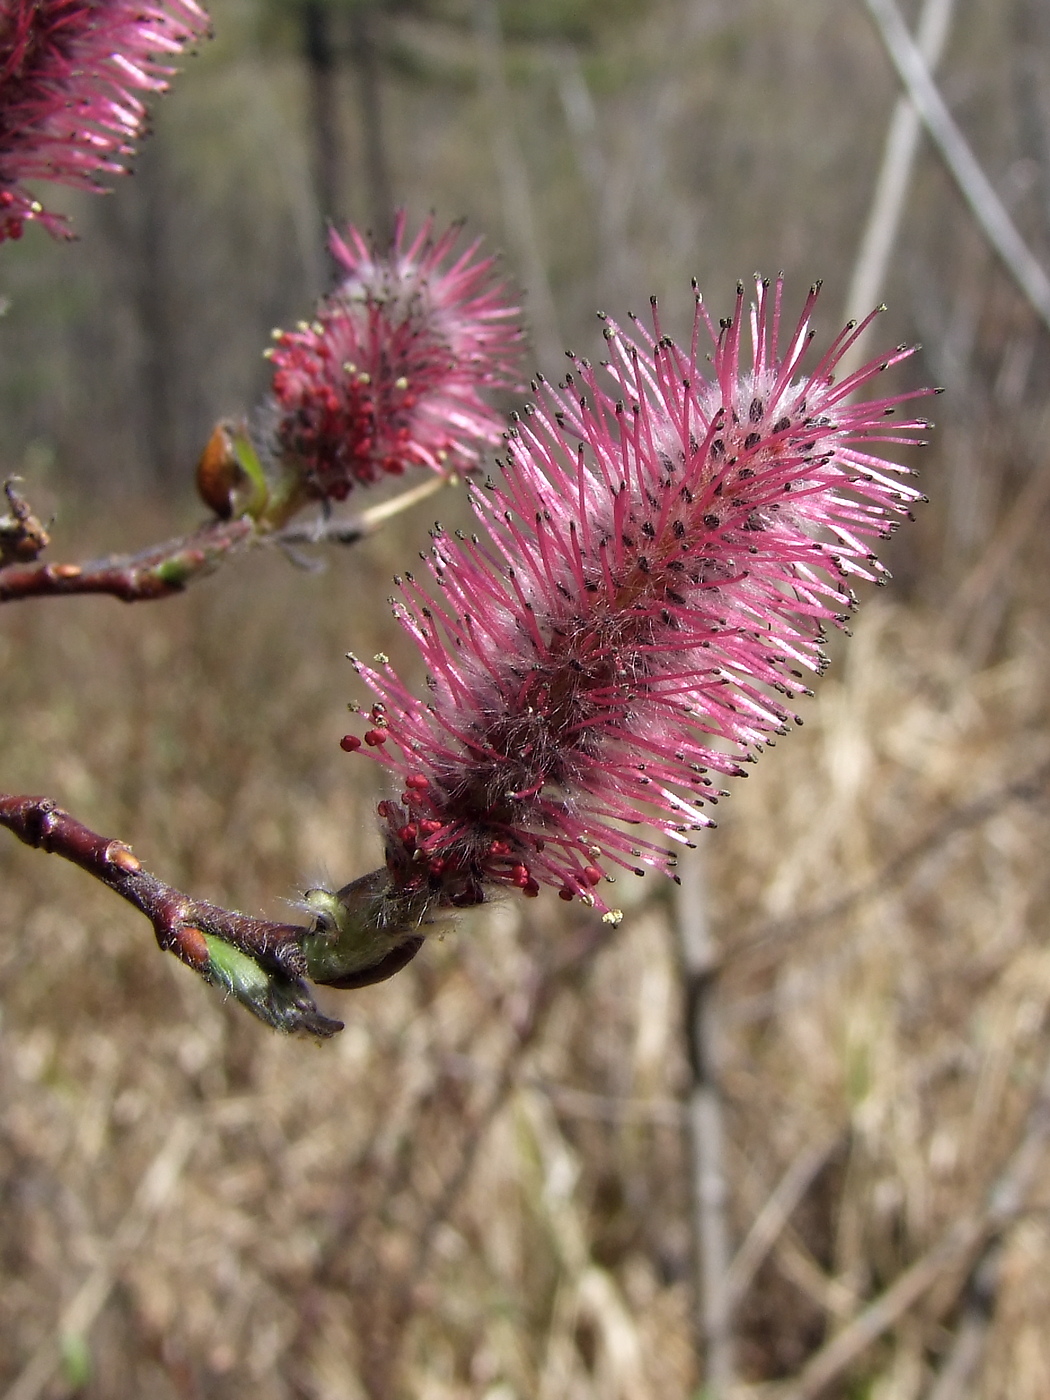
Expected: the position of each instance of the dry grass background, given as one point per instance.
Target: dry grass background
(480, 1188)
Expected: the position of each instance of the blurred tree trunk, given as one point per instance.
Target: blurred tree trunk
(322, 66)
(366, 22)
(1031, 77)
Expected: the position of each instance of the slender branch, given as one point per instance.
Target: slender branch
(891, 189)
(156, 572)
(348, 530)
(165, 569)
(976, 188)
(706, 1132)
(260, 963)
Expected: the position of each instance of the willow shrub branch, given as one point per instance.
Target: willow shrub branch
(161, 570)
(264, 965)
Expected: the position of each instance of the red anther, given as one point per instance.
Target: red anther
(407, 833)
(417, 780)
(499, 848)
(376, 737)
(566, 893)
(531, 890)
(383, 808)
(520, 876)
(437, 865)
(592, 875)
(349, 742)
(428, 828)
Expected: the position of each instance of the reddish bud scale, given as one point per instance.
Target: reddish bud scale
(664, 550)
(394, 370)
(70, 71)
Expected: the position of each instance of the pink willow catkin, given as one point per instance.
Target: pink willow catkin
(662, 554)
(70, 71)
(396, 368)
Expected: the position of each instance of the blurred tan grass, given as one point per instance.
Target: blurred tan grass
(478, 1190)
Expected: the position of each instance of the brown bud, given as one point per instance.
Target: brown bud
(122, 858)
(218, 472)
(192, 948)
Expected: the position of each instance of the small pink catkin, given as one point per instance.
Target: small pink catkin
(71, 72)
(668, 541)
(396, 369)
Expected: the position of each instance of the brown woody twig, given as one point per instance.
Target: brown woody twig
(260, 963)
(165, 569)
(156, 572)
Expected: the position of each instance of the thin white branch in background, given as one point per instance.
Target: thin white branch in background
(976, 188)
(518, 207)
(891, 188)
(705, 1126)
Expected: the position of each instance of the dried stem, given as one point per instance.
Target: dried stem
(772, 1219)
(395, 1291)
(970, 1237)
(76, 1320)
(765, 941)
(956, 1376)
(976, 188)
(531, 1018)
(706, 1132)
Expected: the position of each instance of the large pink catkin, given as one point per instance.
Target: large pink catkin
(70, 75)
(397, 367)
(668, 540)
